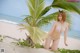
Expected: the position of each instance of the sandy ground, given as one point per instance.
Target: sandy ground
(12, 30)
(12, 48)
(73, 44)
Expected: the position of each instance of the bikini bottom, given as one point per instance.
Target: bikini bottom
(55, 36)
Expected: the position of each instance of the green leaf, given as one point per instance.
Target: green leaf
(47, 19)
(29, 20)
(35, 7)
(57, 1)
(67, 6)
(45, 10)
(35, 33)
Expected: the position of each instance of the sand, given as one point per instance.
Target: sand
(12, 30)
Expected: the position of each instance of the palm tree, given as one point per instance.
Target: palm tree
(36, 19)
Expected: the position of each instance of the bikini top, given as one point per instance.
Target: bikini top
(61, 27)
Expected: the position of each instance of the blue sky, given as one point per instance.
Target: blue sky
(15, 8)
(18, 8)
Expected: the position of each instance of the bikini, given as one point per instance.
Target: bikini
(57, 31)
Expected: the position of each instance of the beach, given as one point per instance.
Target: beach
(12, 30)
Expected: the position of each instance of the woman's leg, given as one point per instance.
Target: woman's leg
(47, 43)
(54, 46)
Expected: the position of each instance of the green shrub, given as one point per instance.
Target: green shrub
(69, 51)
(38, 46)
(28, 44)
(1, 38)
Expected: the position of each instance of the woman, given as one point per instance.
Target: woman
(54, 35)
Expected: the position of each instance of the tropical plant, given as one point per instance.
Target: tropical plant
(62, 50)
(1, 38)
(36, 19)
(27, 43)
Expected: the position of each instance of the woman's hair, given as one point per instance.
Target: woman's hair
(62, 13)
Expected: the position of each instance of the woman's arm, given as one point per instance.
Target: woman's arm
(52, 29)
(65, 35)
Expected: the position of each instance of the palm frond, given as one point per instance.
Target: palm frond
(38, 35)
(31, 9)
(47, 19)
(35, 7)
(35, 33)
(56, 1)
(45, 10)
(67, 6)
(29, 20)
